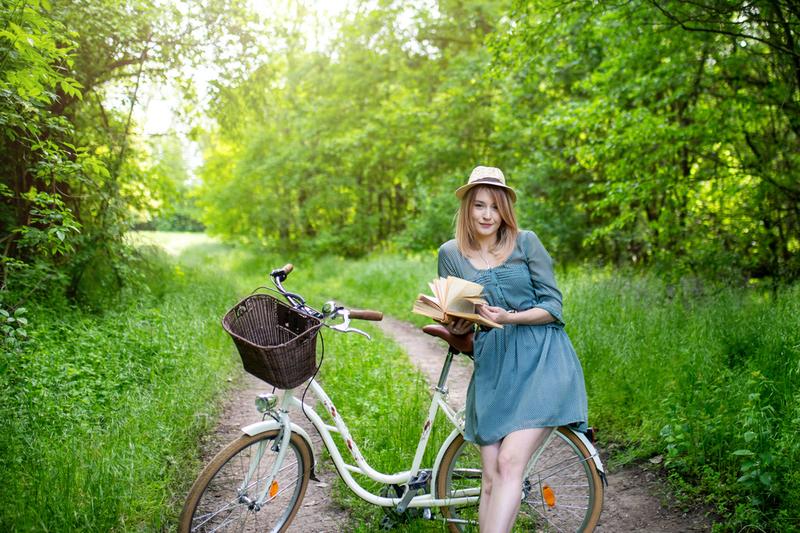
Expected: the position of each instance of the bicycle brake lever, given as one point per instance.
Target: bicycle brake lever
(344, 327)
(356, 330)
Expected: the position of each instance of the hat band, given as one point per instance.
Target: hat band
(481, 180)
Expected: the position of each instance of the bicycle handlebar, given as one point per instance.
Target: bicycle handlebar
(366, 314)
(280, 274)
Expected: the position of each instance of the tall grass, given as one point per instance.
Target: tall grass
(101, 414)
(707, 382)
(99, 410)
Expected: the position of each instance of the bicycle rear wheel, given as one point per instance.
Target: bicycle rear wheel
(223, 498)
(562, 492)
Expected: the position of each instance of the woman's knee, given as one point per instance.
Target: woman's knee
(488, 476)
(510, 465)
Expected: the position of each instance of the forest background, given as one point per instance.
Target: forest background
(660, 138)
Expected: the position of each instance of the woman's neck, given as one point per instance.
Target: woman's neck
(486, 244)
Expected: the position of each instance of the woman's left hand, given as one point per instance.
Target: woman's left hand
(495, 314)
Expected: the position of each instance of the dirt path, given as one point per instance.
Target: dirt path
(635, 499)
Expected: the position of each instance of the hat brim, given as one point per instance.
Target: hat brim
(461, 191)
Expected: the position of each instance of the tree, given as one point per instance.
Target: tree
(665, 127)
(341, 149)
(72, 160)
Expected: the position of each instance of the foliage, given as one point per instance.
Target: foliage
(37, 157)
(100, 413)
(670, 127)
(74, 176)
(173, 209)
(707, 380)
(339, 149)
(659, 133)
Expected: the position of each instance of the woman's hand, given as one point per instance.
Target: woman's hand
(459, 327)
(495, 314)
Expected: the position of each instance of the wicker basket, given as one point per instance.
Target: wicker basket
(276, 342)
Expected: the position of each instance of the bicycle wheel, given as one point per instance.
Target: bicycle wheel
(562, 492)
(224, 496)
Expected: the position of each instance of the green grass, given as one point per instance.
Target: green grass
(102, 411)
(709, 382)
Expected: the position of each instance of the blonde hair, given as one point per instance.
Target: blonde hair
(465, 233)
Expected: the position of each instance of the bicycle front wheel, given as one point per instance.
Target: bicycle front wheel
(562, 491)
(225, 495)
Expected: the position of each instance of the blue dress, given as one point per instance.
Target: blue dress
(525, 376)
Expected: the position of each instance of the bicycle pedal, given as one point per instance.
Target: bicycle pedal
(403, 505)
(415, 484)
(420, 481)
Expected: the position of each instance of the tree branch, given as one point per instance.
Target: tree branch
(685, 27)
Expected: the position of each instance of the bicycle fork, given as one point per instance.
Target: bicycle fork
(279, 445)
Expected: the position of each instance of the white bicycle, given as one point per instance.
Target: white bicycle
(258, 481)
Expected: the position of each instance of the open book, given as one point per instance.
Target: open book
(453, 298)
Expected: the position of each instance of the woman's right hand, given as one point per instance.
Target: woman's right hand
(459, 327)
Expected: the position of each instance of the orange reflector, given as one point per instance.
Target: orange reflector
(549, 496)
(273, 489)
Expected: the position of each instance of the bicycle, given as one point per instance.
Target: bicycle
(259, 480)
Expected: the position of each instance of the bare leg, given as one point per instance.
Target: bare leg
(489, 456)
(505, 478)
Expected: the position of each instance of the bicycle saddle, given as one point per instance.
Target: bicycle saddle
(459, 343)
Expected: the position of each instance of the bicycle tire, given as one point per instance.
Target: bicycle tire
(215, 502)
(572, 501)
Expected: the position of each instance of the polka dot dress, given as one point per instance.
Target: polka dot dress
(526, 376)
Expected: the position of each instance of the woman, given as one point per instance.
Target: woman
(527, 378)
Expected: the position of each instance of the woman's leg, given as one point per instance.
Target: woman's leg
(505, 478)
(489, 455)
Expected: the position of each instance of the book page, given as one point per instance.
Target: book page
(452, 298)
(459, 288)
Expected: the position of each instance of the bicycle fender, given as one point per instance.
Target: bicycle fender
(592, 451)
(266, 425)
(442, 449)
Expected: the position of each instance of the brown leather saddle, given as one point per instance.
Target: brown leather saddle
(458, 343)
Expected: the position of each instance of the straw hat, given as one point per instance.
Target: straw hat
(490, 176)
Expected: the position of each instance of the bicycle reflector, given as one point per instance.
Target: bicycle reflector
(549, 496)
(273, 489)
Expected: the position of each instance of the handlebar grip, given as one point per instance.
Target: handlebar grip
(366, 314)
(281, 273)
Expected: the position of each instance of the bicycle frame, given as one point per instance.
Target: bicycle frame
(414, 479)
(290, 401)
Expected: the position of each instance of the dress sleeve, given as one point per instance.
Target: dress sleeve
(540, 265)
(446, 262)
